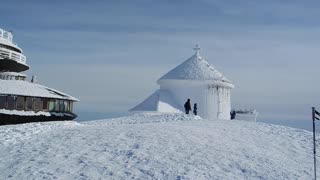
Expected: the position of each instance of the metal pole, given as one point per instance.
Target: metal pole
(314, 143)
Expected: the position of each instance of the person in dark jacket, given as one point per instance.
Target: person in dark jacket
(195, 109)
(187, 106)
(233, 115)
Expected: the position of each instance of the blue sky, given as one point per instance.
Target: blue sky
(109, 54)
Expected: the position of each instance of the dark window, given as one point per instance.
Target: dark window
(56, 106)
(29, 103)
(52, 105)
(37, 104)
(45, 104)
(71, 106)
(3, 102)
(61, 106)
(66, 106)
(20, 103)
(10, 100)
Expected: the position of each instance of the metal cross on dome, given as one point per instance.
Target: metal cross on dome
(197, 49)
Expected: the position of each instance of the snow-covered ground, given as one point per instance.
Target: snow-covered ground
(155, 146)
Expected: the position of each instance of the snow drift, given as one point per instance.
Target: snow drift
(155, 146)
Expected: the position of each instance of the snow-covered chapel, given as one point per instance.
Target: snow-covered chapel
(194, 79)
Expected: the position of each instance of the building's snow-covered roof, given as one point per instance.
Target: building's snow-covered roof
(24, 88)
(8, 43)
(195, 68)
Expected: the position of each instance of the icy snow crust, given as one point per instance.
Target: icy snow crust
(25, 88)
(155, 146)
(24, 113)
(195, 68)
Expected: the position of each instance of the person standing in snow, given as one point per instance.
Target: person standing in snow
(233, 115)
(187, 106)
(195, 109)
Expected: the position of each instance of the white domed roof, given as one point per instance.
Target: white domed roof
(195, 68)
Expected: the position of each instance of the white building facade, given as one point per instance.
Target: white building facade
(194, 79)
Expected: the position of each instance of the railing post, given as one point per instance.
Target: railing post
(314, 144)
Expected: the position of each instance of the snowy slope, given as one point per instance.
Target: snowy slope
(155, 146)
(160, 101)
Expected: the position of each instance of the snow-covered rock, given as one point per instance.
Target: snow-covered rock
(155, 146)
